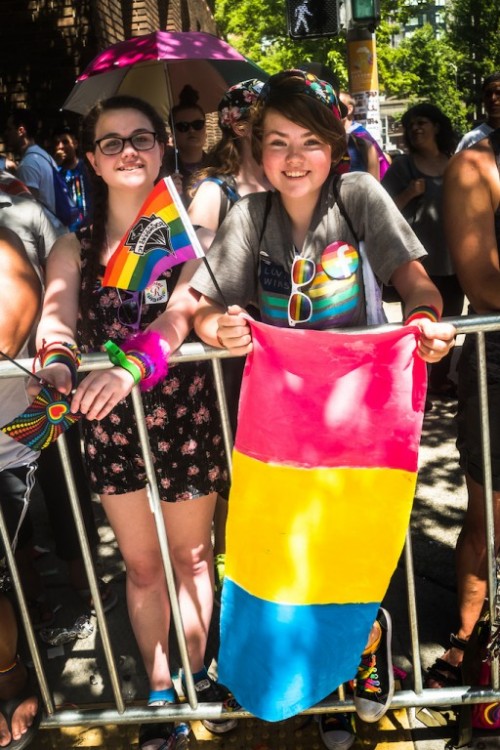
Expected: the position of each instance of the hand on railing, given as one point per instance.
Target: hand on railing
(436, 339)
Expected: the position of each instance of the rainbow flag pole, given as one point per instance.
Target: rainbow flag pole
(160, 237)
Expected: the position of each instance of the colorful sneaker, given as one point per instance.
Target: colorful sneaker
(336, 731)
(208, 691)
(375, 677)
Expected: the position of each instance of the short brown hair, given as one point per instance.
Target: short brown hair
(288, 98)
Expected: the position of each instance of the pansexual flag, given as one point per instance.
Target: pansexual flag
(324, 473)
(160, 237)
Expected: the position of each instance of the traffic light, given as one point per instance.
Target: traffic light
(365, 12)
(309, 19)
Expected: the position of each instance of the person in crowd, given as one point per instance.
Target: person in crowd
(360, 133)
(188, 126)
(74, 171)
(362, 153)
(35, 167)
(472, 223)
(21, 296)
(230, 173)
(124, 141)
(25, 216)
(298, 137)
(415, 182)
(491, 100)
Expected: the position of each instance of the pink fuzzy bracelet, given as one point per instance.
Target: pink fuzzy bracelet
(150, 352)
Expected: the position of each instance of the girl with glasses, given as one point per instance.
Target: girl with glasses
(124, 144)
(303, 254)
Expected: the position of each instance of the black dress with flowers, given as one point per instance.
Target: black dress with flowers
(182, 415)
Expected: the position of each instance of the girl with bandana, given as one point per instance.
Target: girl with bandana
(311, 254)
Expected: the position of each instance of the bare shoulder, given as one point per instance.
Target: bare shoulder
(67, 247)
(472, 166)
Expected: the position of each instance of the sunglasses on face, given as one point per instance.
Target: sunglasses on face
(183, 126)
(130, 309)
(111, 145)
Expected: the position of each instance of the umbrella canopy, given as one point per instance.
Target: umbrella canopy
(157, 66)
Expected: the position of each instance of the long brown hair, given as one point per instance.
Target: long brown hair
(90, 270)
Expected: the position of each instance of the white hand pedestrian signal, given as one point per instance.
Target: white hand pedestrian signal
(301, 13)
(309, 19)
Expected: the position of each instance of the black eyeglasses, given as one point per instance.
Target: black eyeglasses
(111, 145)
(183, 126)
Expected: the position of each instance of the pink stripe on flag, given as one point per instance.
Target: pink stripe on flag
(335, 399)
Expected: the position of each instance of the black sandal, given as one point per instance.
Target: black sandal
(448, 675)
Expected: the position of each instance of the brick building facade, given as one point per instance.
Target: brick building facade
(45, 44)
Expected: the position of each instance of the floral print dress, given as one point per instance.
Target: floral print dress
(182, 414)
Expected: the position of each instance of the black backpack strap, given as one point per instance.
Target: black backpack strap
(342, 208)
(267, 210)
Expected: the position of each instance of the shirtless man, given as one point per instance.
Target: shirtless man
(20, 299)
(472, 223)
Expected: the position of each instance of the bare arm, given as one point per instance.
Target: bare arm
(414, 189)
(471, 197)
(372, 162)
(204, 211)
(21, 294)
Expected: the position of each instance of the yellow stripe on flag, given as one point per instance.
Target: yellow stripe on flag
(306, 528)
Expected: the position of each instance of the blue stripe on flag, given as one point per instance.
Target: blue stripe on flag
(302, 653)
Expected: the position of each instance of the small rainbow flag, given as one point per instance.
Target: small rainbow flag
(161, 237)
(324, 474)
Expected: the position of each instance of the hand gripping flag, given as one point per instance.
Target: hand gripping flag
(324, 474)
(160, 237)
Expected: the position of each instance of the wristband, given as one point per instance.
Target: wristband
(153, 351)
(423, 311)
(119, 358)
(59, 352)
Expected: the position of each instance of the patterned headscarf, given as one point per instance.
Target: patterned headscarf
(312, 86)
(236, 102)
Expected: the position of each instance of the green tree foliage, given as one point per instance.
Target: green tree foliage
(473, 34)
(445, 70)
(422, 68)
(258, 29)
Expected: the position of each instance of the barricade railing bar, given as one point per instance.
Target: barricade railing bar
(123, 714)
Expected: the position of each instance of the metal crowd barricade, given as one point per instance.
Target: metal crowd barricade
(121, 714)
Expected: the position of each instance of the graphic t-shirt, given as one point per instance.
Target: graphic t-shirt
(325, 288)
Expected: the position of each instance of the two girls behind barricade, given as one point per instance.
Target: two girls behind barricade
(299, 139)
(124, 144)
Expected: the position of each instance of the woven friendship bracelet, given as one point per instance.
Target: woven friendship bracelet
(120, 359)
(423, 311)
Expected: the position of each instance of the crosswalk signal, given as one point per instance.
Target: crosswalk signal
(310, 19)
(365, 12)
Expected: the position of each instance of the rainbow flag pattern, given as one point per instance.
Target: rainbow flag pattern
(160, 237)
(324, 475)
